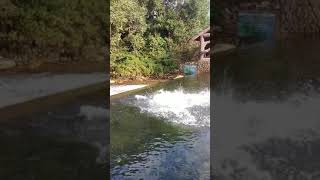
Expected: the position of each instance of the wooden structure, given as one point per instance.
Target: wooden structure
(203, 38)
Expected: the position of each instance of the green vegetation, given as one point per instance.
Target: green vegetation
(56, 30)
(148, 37)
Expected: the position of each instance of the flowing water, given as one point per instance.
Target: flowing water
(266, 101)
(163, 132)
(264, 126)
(62, 142)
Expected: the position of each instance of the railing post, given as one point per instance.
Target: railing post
(202, 46)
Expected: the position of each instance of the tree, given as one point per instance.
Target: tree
(39, 28)
(151, 33)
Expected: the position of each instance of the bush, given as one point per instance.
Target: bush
(148, 36)
(165, 66)
(156, 47)
(125, 64)
(130, 65)
(63, 27)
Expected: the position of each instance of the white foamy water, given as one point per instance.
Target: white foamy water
(117, 89)
(178, 106)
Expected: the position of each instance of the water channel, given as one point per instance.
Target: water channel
(162, 132)
(266, 101)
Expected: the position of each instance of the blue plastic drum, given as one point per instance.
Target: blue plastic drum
(189, 69)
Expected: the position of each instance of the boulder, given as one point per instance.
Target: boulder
(178, 77)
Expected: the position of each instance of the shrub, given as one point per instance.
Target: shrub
(149, 36)
(130, 65)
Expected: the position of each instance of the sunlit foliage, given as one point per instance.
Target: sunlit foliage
(149, 36)
(60, 29)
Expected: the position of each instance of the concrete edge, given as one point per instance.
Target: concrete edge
(43, 103)
(127, 93)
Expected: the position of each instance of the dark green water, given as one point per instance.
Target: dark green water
(163, 132)
(65, 142)
(266, 101)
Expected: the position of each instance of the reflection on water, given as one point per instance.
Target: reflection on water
(152, 137)
(67, 142)
(266, 100)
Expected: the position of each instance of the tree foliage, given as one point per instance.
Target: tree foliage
(148, 36)
(60, 29)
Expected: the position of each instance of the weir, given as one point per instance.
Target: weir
(161, 129)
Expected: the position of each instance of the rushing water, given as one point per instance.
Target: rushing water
(163, 132)
(266, 101)
(177, 106)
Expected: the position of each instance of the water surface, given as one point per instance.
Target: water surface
(62, 142)
(265, 100)
(163, 132)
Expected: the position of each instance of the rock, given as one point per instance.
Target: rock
(112, 81)
(6, 64)
(178, 77)
(141, 78)
(204, 67)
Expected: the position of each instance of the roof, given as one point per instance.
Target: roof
(194, 38)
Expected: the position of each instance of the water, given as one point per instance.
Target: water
(266, 112)
(62, 142)
(163, 132)
(265, 125)
(177, 106)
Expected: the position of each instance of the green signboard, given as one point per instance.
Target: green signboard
(260, 26)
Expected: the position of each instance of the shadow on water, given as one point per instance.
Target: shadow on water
(151, 141)
(62, 142)
(265, 103)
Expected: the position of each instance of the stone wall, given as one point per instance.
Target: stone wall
(203, 67)
(293, 16)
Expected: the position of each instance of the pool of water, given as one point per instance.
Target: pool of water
(162, 132)
(61, 142)
(266, 101)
